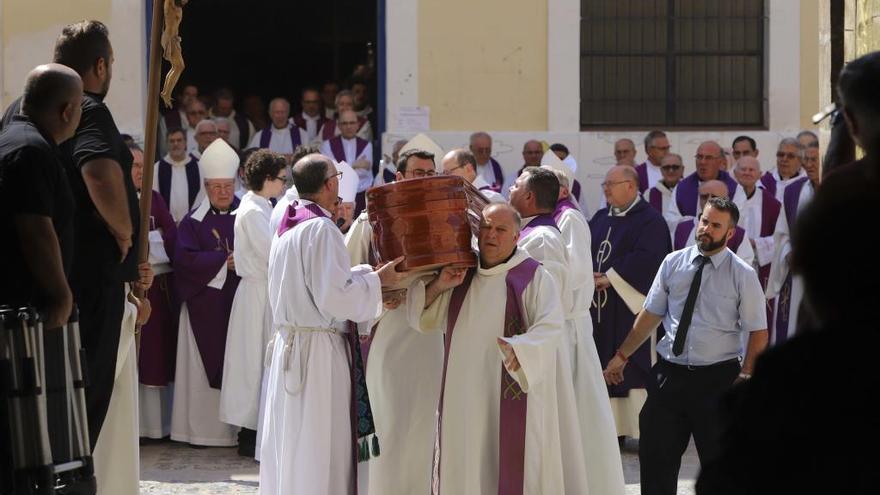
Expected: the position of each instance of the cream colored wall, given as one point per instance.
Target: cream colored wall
(28, 29)
(810, 62)
(483, 63)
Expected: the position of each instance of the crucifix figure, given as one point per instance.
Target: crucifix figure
(171, 46)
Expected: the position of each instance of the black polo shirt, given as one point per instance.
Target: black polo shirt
(97, 256)
(32, 181)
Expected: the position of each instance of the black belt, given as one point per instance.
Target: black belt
(693, 367)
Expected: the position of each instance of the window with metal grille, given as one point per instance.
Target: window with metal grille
(672, 63)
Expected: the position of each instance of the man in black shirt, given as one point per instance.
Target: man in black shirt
(98, 165)
(36, 209)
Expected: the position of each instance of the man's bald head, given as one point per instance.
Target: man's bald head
(52, 99)
(532, 152)
(499, 233)
(712, 189)
(621, 186)
(48, 89)
(710, 159)
(310, 172)
(747, 172)
(505, 211)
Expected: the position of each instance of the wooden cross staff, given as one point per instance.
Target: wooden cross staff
(167, 14)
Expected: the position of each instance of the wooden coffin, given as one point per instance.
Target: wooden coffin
(429, 221)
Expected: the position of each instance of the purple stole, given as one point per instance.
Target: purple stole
(687, 192)
(684, 229)
(193, 180)
(499, 175)
(300, 122)
(770, 208)
(339, 152)
(513, 401)
(769, 183)
(576, 190)
(389, 177)
(542, 219)
(266, 137)
(561, 206)
(655, 199)
(642, 170)
(790, 199)
(328, 129)
(295, 216)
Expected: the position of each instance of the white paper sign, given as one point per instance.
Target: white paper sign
(412, 119)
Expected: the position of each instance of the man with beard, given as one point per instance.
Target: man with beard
(706, 298)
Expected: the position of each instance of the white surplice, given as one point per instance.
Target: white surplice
(751, 216)
(306, 438)
(117, 453)
(279, 140)
(349, 148)
(545, 244)
(403, 378)
(469, 461)
(250, 321)
(781, 183)
(666, 195)
(601, 450)
(780, 268)
(178, 204)
(195, 412)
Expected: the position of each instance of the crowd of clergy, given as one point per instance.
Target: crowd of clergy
(266, 307)
(274, 327)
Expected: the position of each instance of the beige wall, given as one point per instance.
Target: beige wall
(810, 62)
(483, 64)
(28, 29)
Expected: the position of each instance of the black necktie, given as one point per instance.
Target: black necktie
(685, 321)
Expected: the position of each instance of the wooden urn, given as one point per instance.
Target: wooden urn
(429, 221)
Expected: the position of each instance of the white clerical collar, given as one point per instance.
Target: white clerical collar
(177, 163)
(518, 257)
(278, 130)
(650, 164)
(525, 221)
(795, 176)
(352, 140)
(615, 212)
(662, 187)
(306, 201)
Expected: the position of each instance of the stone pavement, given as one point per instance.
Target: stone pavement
(172, 468)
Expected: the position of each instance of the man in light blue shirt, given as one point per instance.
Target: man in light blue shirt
(706, 298)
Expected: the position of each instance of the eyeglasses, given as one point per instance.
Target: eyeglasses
(709, 196)
(419, 173)
(610, 184)
(338, 175)
(706, 157)
(661, 148)
(282, 178)
(449, 172)
(782, 154)
(348, 122)
(671, 167)
(737, 154)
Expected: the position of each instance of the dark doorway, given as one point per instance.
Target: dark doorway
(276, 47)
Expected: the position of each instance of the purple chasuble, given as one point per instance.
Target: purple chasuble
(790, 201)
(513, 401)
(193, 181)
(339, 151)
(561, 206)
(687, 194)
(633, 245)
(769, 183)
(266, 137)
(542, 219)
(655, 199)
(202, 249)
(159, 334)
(642, 170)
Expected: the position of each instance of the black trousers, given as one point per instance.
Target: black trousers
(100, 321)
(684, 402)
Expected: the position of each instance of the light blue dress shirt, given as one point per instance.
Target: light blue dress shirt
(730, 302)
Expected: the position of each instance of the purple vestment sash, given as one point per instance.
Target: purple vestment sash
(297, 214)
(193, 180)
(687, 192)
(576, 190)
(513, 401)
(542, 219)
(683, 234)
(790, 200)
(769, 183)
(339, 152)
(642, 170)
(499, 175)
(266, 137)
(561, 206)
(655, 199)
